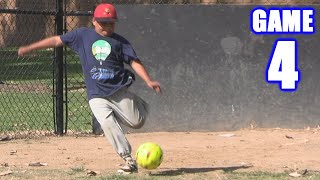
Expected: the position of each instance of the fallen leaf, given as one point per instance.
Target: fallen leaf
(245, 165)
(294, 174)
(5, 138)
(227, 135)
(37, 164)
(304, 172)
(4, 173)
(289, 137)
(5, 164)
(13, 152)
(93, 173)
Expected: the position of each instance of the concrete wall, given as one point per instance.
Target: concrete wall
(36, 27)
(212, 70)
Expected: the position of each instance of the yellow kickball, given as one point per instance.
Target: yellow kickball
(149, 155)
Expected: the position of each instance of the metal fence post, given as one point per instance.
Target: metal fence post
(59, 69)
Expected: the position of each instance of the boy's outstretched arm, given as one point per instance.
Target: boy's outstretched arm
(50, 42)
(141, 71)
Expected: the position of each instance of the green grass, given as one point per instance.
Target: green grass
(79, 113)
(26, 111)
(269, 176)
(78, 169)
(33, 109)
(37, 66)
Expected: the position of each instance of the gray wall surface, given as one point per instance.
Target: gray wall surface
(212, 69)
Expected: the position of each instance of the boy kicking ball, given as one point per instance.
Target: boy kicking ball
(103, 54)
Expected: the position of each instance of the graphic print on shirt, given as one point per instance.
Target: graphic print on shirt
(101, 50)
(101, 74)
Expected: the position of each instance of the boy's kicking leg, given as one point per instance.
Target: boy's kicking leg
(122, 107)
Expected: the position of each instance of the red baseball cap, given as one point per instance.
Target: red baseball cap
(105, 13)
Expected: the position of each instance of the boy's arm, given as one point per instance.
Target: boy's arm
(51, 42)
(141, 71)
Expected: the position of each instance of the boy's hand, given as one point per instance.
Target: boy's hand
(50, 42)
(154, 85)
(23, 51)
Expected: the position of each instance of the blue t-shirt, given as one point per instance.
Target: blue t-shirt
(102, 60)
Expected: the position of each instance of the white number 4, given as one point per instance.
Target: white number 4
(283, 65)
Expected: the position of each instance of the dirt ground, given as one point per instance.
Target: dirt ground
(272, 150)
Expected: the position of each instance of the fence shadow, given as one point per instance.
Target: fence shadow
(180, 171)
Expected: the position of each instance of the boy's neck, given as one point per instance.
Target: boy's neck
(105, 33)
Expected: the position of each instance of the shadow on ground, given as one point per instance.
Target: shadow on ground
(180, 171)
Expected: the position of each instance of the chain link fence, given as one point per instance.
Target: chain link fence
(26, 84)
(28, 92)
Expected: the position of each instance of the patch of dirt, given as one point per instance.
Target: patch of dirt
(32, 87)
(22, 88)
(273, 150)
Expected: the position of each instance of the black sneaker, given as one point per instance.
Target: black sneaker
(129, 167)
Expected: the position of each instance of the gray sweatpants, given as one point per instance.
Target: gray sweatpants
(122, 107)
